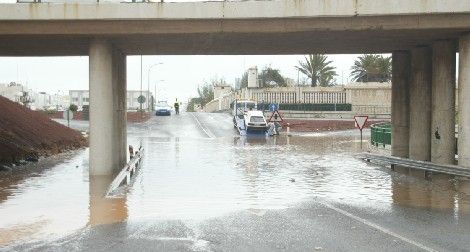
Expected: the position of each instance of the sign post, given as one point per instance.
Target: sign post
(68, 115)
(141, 99)
(360, 122)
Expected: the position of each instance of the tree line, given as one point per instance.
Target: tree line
(319, 71)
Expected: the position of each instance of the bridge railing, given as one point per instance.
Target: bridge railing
(381, 134)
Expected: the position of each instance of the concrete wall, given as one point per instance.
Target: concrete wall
(369, 94)
(366, 98)
(233, 9)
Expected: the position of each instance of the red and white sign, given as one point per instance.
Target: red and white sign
(275, 117)
(360, 121)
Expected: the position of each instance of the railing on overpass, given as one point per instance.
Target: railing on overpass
(381, 134)
(119, 1)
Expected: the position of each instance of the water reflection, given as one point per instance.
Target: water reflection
(45, 201)
(105, 210)
(441, 193)
(56, 200)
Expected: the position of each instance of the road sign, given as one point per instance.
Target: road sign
(141, 99)
(273, 107)
(360, 121)
(275, 117)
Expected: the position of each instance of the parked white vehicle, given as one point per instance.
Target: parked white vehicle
(247, 119)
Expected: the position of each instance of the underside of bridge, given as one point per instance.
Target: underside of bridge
(422, 38)
(231, 37)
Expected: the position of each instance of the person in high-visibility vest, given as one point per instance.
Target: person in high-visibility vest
(177, 107)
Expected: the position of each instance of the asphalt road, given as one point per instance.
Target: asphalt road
(204, 188)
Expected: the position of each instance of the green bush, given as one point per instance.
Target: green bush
(73, 108)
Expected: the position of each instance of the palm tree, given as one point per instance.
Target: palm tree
(372, 68)
(318, 69)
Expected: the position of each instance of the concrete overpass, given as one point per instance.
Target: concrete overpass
(422, 35)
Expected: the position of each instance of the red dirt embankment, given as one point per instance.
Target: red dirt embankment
(27, 134)
(300, 125)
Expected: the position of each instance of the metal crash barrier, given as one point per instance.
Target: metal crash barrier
(127, 172)
(419, 165)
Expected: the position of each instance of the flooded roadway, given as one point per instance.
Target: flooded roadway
(204, 188)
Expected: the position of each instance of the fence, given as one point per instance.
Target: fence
(284, 95)
(370, 99)
(324, 97)
(309, 106)
(381, 134)
(277, 97)
(372, 109)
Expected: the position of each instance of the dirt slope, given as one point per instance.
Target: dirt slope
(28, 134)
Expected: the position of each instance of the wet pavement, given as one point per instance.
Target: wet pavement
(204, 188)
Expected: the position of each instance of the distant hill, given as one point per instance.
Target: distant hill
(27, 134)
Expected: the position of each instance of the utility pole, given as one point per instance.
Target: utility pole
(148, 83)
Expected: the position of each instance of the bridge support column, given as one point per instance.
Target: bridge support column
(420, 104)
(443, 103)
(464, 101)
(120, 105)
(107, 108)
(400, 103)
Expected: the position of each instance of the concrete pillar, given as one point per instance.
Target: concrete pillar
(401, 66)
(443, 103)
(120, 101)
(420, 104)
(464, 101)
(107, 113)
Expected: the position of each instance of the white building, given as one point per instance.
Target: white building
(12, 91)
(82, 97)
(133, 102)
(220, 90)
(253, 77)
(79, 97)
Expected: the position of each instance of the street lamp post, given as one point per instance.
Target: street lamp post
(148, 84)
(155, 88)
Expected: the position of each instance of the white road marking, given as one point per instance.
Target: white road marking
(376, 226)
(227, 121)
(207, 131)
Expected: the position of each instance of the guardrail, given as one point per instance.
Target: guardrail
(127, 172)
(381, 134)
(419, 165)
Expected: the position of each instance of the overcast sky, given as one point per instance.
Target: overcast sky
(178, 76)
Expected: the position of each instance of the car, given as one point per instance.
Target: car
(162, 108)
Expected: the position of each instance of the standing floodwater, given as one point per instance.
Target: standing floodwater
(203, 187)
